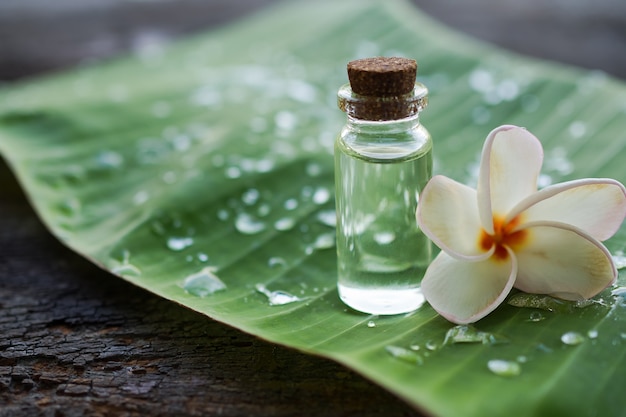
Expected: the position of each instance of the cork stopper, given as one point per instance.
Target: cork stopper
(382, 76)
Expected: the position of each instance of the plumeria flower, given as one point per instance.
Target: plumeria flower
(507, 234)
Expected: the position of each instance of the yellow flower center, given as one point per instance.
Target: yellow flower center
(503, 236)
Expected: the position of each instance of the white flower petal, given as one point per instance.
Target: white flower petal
(597, 206)
(464, 292)
(448, 215)
(563, 261)
(509, 168)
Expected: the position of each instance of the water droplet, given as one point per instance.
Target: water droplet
(233, 172)
(431, 345)
(384, 238)
(277, 298)
(619, 292)
(405, 355)
(251, 196)
(522, 359)
(264, 165)
(179, 243)
(248, 225)
(542, 302)
(414, 346)
(203, 283)
(223, 214)
(124, 267)
(109, 160)
(619, 259)
(577, 129)
(592, 334)
(543, 348)
(508, 89)
(321, 196)
(141, 197)
(536, 316)
(275, 261)
(544, 180)
(371, 323)
(263, 209)
(327, 217)
(286, 120)
(572, 338)
(291, 204)
(126, 270)
(324, 241)
(313, 169)
(481, 80)
(469, 334)
(181, 142)
(506, 368)
(286, 223)
(203, 257)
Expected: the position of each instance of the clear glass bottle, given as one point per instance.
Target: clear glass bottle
(383, 159)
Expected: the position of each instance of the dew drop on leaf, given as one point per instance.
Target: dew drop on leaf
(543, 302)
(233, 172)
(203, 283)
(327, 217)
(124, 267)
(291, 204)
(405, 355)
(179, 243)
(469, 334)
(431, 345)
(324, 241)
(126, 270)
(321, 196)
(249, 225)
(277, 298)
(572, 338)
(251, 196)
(223, 214)
(275, 261)
(371, 323)
(285, 223)
(592, 334)
(141, 197)
(536, 316)
(109, 160)
(384, 238)
(506, 368)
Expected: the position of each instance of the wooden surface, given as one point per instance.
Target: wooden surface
(76, 341)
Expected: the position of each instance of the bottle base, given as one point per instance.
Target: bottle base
(381, 301)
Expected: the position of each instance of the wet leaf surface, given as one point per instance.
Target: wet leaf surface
(203, 172)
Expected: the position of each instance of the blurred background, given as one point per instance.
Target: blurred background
(38, 36)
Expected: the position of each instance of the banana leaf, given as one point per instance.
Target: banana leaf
(203, 172)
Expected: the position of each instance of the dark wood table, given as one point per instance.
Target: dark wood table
(76, 341)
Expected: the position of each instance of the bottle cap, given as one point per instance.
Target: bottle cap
(382, 76)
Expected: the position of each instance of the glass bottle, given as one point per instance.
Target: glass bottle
(383, 159)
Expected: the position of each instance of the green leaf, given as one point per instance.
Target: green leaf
(204, 173)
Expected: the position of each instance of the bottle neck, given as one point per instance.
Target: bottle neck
(382, 126)
(385, 108)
